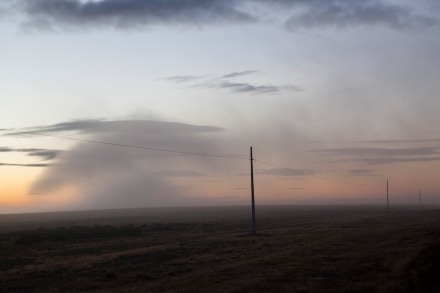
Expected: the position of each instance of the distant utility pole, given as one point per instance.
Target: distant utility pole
(420, 200)
(388, 200)
(254, 226)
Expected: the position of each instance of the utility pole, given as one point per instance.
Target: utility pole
(254, 226)
(388, 200)
(420, 200)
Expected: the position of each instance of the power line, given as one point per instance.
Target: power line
(186, 153)
(314, 176)
(129, 146)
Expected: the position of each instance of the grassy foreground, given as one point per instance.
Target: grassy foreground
(312, 250)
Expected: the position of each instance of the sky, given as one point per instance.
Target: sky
(146, 103)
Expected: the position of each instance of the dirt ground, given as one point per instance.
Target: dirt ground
(315, 249)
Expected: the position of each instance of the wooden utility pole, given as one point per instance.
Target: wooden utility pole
(420, 200)
(388, 200)
(254, 225)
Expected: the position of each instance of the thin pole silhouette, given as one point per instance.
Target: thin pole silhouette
(420, 200)
(254, 226)
(388, 200)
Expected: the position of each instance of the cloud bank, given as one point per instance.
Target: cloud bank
(106, 176)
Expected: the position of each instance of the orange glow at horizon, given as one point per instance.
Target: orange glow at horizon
(14, 191)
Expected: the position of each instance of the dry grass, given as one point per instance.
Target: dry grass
(314, 250)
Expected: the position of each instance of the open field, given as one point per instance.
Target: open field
(296, 249)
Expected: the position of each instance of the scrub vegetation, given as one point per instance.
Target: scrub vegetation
(296, 249)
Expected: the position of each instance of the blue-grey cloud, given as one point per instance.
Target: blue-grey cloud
(347, 13)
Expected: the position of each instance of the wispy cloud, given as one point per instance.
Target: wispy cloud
(228, 82)
(44, 154)
(244, 87)
(239, 73)
(393, 160)
(378, 151)
(376, 156)
(361, 172)
(180, 173)
(104, 126)
(23, 165)
(398, 141)
(185, 78)
(286, 172)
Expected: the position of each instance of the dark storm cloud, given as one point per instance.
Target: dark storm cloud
(348, 13)
(131, 13)
(286, 172)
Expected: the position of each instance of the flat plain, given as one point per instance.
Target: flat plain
(210, 249)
